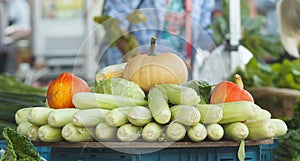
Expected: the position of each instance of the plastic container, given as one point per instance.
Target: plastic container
(170, 154)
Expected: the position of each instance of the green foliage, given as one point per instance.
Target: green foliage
(285, 74)
(10, 84)
(294, 123)
(18, 147)
(289, 144)
(261, 46)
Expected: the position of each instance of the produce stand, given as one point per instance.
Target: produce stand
(162, 151)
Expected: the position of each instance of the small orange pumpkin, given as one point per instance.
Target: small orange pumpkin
(149, 70)
(60, 91)
(227, 91)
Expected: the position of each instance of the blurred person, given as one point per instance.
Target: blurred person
(289, 25)
(15, 25)
(267, 8)
(180, 26)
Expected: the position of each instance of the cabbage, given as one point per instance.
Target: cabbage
(120, 86)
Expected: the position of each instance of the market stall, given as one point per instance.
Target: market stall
(145, 109)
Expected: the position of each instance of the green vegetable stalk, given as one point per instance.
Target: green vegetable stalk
(128, 133)
(158, 105)
(47, 133)
(105, 132)
(175, 131)
(197, 133)
(185, 114)
(152, 131)
(180, 95)
(89, 117)
(60, 117)
(139, 115)
(118, 116)
(87, 100)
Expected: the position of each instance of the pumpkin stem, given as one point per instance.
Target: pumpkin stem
(152, 46)
(238, 81)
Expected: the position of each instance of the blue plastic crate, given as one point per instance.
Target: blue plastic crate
(169, 154)
(266, 151)
(44, 151)
(89, 154)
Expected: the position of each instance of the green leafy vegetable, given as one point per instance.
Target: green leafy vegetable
(285, 74)
(18, 147)
(202, 88)
(241, 151)
(10, 84)
(121, 87)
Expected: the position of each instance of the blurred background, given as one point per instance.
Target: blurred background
(62, 36)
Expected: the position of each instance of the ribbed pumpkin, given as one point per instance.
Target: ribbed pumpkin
(149, 70)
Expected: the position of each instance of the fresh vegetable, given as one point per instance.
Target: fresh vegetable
(112, 71)
(227, 91)
(87, 100)
(261, 114)
(121, 87)
(118, 116)
(180, 95)
(10, 103)
(281, 127)
(105, 132)
(175, 131)
(185, 114)
(215, 132)
(202, 88)
(39, 115)
(24, 127)
(149, 70)
(288, 147)
(72, 133)
(47, 133)
(32, 133)
(209, 113)
(60, 92)
(9, 84)
(236, 131)
(197, 132)
(22, 114)
(152, 131)
(158, 105)
(18, 147)
(128, 133)
(89, 117)
(237, 111)
(139, 115)
(261, 129)
(60, 117)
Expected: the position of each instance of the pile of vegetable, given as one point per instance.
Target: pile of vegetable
(119, 109)
(149, 99)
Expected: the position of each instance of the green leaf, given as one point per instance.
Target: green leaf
(241, 151)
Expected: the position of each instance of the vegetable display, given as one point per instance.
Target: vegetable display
(120, 109)
(168, 112)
